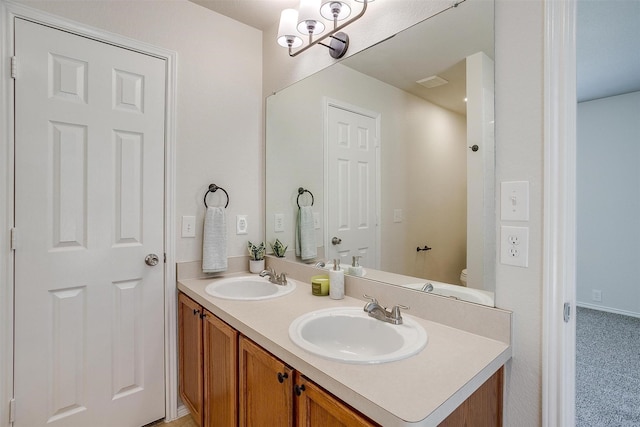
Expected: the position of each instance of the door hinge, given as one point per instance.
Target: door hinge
(567, 312)
(14, 67)
(165, 257)
(14, 239)
(12, 411)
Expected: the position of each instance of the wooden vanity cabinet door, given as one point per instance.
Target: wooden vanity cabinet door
(315, 407)
(220, 373)
(483, 408)
(190, 357)
(266, 388)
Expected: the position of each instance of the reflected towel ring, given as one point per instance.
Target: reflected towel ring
(212, 189)
(301, 191)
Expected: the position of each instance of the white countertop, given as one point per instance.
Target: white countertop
(421, 390)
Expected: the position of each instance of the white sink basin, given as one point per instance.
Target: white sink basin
(348, 334)
(248, 288)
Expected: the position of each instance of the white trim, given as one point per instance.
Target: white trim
(6, 220)
(8, 11)
(329, 102)
(608, 309)
(559, 247)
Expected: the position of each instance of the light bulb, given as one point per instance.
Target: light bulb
(341, 7)
(308, 17)
(287, 29)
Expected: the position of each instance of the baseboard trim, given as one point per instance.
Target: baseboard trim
(608, 309)
(182, 411)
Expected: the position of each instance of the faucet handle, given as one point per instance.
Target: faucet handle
(282, 278)
(372, 299)
(395, 312)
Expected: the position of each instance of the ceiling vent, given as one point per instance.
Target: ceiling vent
(433, 81)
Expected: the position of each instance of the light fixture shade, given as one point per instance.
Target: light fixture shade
(309, 13)
(326, 10)
(287, 29)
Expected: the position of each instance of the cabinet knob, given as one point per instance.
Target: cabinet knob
(299, 389)
(196, 311)
(282, 376)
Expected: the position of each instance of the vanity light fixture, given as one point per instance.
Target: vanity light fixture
(307, 21)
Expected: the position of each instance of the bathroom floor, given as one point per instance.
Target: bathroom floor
(185, 421)
(607, 374)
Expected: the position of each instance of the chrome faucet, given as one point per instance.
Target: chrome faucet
(320, 264)
(375, 310)
(277, 279)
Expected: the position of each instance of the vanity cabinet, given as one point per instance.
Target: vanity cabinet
(483, 408)
(228, 380)
(316, 407)
(190, 356)
(266, 388)
(208, 365)
(272, 393)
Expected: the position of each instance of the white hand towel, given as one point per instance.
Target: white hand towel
(214, 241)
(306, 247)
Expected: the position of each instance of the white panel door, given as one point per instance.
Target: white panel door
(89, 312)
(352, 186)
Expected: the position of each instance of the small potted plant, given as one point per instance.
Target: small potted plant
(256, 257)
(278, 248)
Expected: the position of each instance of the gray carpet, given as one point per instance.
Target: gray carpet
(607, 369)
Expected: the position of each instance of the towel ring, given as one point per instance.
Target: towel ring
(301, 191)
(212, 189)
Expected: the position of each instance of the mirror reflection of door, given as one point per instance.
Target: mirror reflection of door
(352, 157)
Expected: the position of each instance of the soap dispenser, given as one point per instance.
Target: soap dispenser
(355, 269)
(336, 281)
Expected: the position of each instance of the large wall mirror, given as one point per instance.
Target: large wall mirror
(393, 149)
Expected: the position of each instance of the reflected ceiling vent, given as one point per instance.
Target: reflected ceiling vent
(433, 81)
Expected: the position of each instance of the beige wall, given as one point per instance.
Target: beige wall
(219, 103)
(519, 27)
(519, 156)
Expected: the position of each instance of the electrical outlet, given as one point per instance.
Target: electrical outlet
(242, 225)
(514, 247)
(596, 295)
(188, 226)
(278, 223)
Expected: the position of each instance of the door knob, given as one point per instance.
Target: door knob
(151, 259)
(336, 240)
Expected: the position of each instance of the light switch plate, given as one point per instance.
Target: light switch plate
(514, 201)
(397, 215)
(188, 226)
(241, 224)
(316, 220)
(278, 223)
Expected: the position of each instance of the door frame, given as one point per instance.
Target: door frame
(8, 11)
(559, 239)
(328, 103)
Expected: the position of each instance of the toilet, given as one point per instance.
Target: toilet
(463, 277)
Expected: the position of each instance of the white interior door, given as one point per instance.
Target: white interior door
(352, 147)
(89, 312)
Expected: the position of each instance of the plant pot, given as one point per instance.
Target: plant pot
(256, 266)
